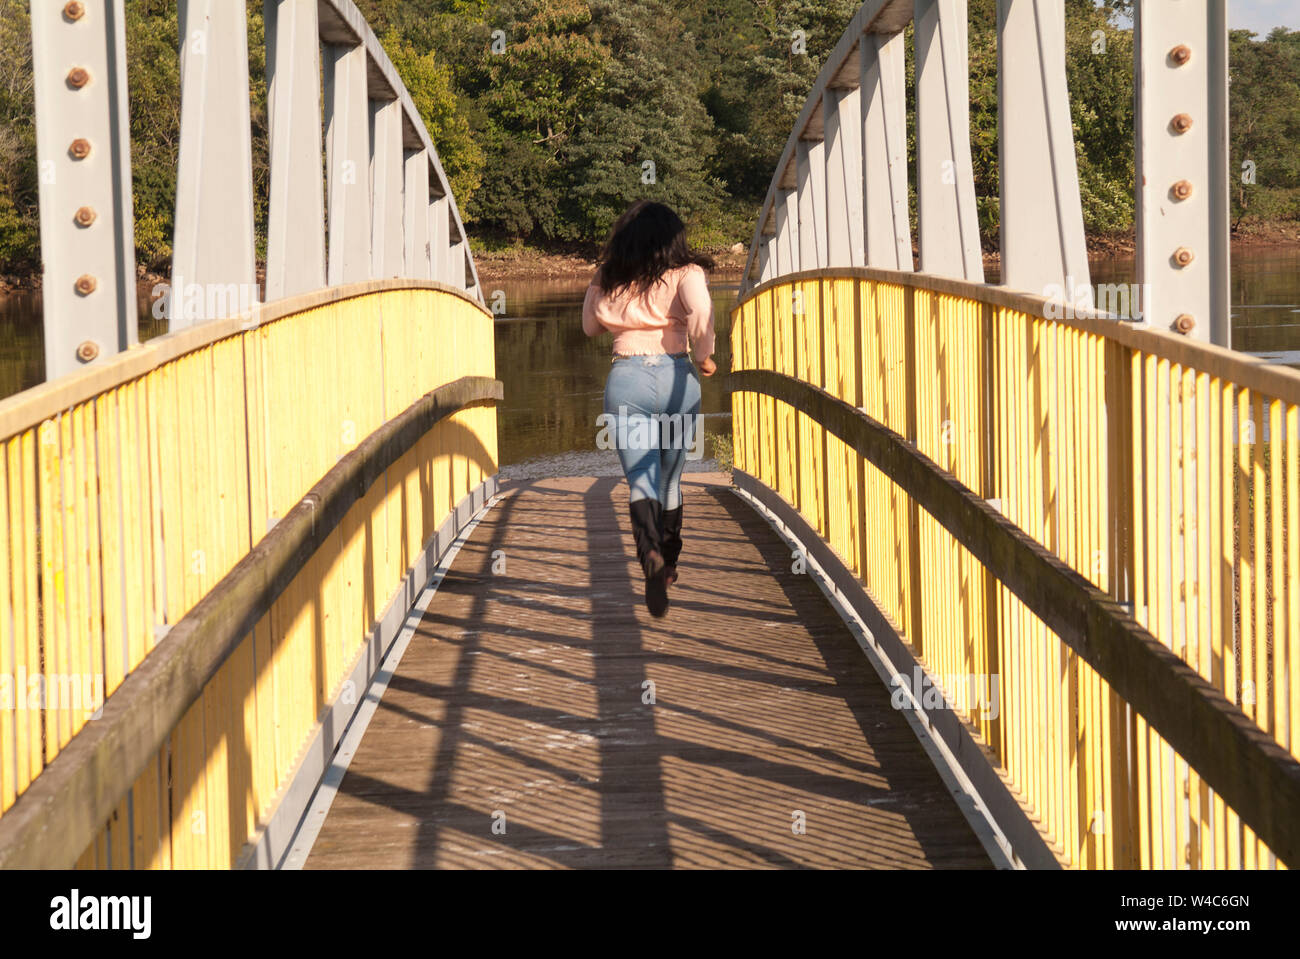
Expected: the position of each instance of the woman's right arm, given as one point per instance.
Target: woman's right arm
(698, 304)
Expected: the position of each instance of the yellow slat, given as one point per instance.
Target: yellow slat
(12, 698)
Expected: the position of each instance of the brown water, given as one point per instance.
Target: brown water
(22, 339)
(555, 376)
(1265, 297)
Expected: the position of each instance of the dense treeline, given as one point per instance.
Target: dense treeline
(551, 115)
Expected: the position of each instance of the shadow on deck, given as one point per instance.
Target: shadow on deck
(521, 695)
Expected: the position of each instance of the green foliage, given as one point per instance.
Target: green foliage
(756, 63)
(18, 238)
(521, 193)
(982, 41)
(19, 210)
(429, 82)
(534, 85)
(1265, 117)
(721, 447)
(648, 134)
(260, 123)
(545, 112)
(153, 79)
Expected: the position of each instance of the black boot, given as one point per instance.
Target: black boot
(670, 536)
(646, 523)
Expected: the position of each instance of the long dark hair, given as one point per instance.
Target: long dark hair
(648, 240)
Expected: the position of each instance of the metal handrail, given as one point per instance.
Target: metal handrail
(58, 816)
(1241, 762)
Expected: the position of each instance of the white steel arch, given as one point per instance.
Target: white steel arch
(389, 211)
(839, 196)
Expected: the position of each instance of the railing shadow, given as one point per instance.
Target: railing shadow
(522, 696)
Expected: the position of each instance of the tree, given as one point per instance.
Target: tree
(550, 116)
(536, 75)
(1264, 112)
(153, 85)
(1099, 70)
(647, 134)
(429, 82)
(757, 62)
(19, 210)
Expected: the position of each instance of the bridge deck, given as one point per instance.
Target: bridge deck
(521, 692)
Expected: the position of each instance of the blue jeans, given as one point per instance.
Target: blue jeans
(652, 406)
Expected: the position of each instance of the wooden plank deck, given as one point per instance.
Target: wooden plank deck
(522, 693)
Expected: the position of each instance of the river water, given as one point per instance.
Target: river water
(555, 376)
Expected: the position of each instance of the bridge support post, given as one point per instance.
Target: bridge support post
(416, 225)
(439, 236)
(386, 176)
(213, 250)
(945, 182)
(810, 169)
(842, 122)
(765, 263)
(347, 124)
(456, 258)
(787, 232)
(887, 229)
(1043, 245)
(1181, 130)
(83, 149)
(295, 244)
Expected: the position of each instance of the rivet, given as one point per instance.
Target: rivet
(1183, 256)
(1182, 122)
(1180, 54)
(85, 216)
(87, 351)
(78, 77)
(1182, 189)
(1184, 323)
(74, 10)
(80, 149)
(86, 284)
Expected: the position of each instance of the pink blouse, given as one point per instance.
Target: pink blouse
(661, 320)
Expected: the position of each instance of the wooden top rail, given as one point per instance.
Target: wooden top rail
(1242, 763)
(59, 815)
(33, 406)
(1240, 369)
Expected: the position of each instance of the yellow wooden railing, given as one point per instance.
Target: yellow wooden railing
(129, 492)
(1163, 471)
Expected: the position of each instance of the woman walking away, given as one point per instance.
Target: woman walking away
(651, 292)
